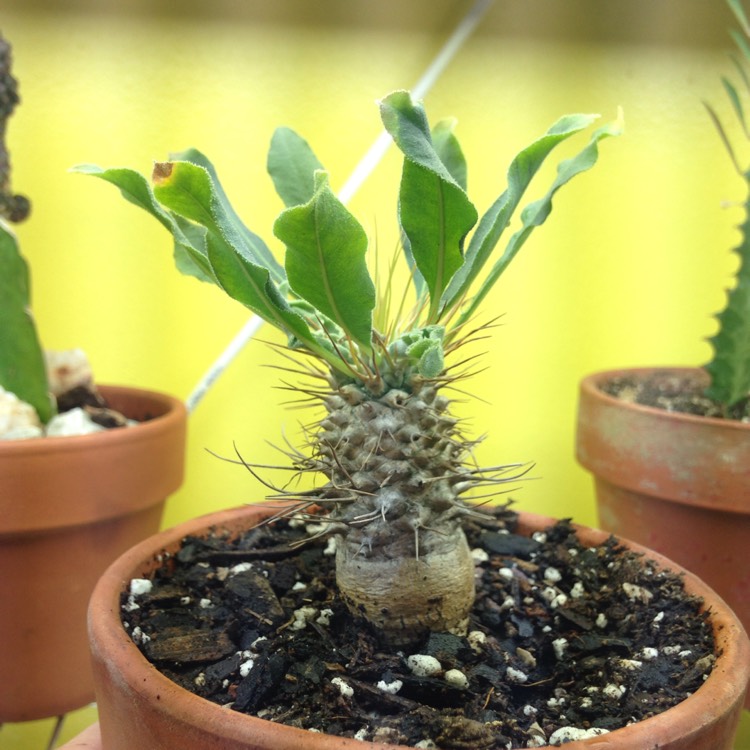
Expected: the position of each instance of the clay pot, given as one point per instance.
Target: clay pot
(676, 483)
(139, 707)
(68, 507)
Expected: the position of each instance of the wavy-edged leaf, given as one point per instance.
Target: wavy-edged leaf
(188, 190)
(325, 260)
(189, 242)
(493, 223)
(259, 247)
(292, 166)
(536, 213)
(449, 150)
(434, 210)
(22, 368)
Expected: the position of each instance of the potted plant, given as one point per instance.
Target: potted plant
(388, 516)
(71, 501)
(669, 447)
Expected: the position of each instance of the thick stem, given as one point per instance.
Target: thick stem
(404, 596)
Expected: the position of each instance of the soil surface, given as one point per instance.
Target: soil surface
(675, 391)
(565, 642)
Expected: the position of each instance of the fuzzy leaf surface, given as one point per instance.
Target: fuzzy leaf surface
(22, 368)
(190, 253)
(292, 166)
(188, 190)
(325, 260)
(259, 248)
(434, 210)
(521, 172)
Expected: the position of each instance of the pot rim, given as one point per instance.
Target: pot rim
(173, 409)
(723, 689)
(591, 385)
(55, 482)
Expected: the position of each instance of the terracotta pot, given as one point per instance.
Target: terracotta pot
(676, 483)
(139, 707)
(68, 507)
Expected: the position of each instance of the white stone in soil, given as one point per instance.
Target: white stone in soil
(67, 370)
(560, 645)
(456, 678)
(246, 666)
(423, 665)
(553, 575)
(648, 653)
(389, 687)
(73, 422)
(479, 556)
(18, 420)
(476, 639)
(140, 586)
(614, 691)
(571, 734)
(302, 616)
(344, 687)
(516, 675)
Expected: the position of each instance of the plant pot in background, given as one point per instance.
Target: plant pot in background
(140, 707)
(68, 507)
(676, 483)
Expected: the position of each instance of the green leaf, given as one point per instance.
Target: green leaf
(729, 369)
(22, 368)
(522, 170)
(189, 241)
(325, 260)
(449, 150)
(292, 166)
(188, 190)
(252, 240)
(435, 212)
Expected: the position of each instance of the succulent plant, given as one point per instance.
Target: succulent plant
(394, 461)
(22, 368)
(729, 368)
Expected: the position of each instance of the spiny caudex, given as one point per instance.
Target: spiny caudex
(396, 464)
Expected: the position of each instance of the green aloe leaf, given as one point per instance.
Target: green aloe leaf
(522, 170)
(22, 369)
(292, 166)
(325, 260)
(434, 210)
(729, 368)
(191, 255)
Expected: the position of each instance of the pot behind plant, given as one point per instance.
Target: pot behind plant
(68, 507)
(676, 483)
(140, 707)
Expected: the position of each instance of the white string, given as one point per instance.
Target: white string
(360, 173)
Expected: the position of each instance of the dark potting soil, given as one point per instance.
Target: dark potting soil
(564, 641)
(675, 391)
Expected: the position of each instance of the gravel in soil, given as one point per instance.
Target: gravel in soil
(565, 642)
(675, 391)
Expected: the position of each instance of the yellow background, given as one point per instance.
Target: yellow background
(628, 270)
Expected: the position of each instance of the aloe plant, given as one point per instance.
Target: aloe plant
(729, 368)
(394, 462)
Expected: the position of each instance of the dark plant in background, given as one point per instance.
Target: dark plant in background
(22, 367)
